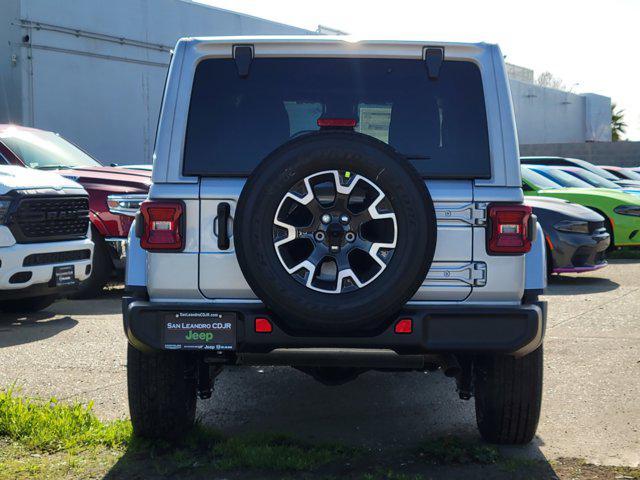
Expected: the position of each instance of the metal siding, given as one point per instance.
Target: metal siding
(101, 88)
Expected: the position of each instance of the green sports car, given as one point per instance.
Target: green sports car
(620, 210)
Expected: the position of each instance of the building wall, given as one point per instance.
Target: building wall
(10, 67)
(623, 154)
(94, 70)
(547, 115)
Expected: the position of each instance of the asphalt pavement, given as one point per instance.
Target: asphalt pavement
(76, 350)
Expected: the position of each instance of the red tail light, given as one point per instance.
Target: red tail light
(263, 325)
(509, 229)
(163, 225)
(404, 326)
(337, 122)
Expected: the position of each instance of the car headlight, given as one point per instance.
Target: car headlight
(4, 209)
(628, 210)
(572, 226)
(125, 204)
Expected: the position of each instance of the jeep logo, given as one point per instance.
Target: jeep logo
(195, 336)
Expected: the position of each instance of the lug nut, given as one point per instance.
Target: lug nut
(344, 218)
(326, 218)
(350, 236)
(319, 236)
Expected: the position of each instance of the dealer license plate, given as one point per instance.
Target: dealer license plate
(64, 275)
(198, 330)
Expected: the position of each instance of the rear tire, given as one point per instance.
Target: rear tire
(27, 305)
(101, 269)
(162, 393)
(508, 396)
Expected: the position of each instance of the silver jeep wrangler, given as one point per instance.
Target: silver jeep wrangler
(337, 206)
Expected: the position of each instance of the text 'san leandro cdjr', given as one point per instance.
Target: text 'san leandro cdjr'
(341, 206)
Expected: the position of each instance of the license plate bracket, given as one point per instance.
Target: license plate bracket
(64, 275)
(199, 330)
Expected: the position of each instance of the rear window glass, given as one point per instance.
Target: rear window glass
(440, 125)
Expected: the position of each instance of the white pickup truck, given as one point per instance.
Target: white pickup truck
(45, 246)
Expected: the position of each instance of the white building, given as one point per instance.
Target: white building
(94, 70)
(547, 115)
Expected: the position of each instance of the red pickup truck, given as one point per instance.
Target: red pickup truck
(115, 193)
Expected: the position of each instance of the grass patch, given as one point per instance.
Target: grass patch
(274, 452)
(455, 451)
(48, 438)
(51, 426)
(52, 440)
(18, 462)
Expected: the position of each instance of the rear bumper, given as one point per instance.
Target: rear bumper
(515, 330)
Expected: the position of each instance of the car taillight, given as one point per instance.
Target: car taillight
(509, 229)
(337, 122)
(163, 225)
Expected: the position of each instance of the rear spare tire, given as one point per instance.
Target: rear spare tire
(335, 232)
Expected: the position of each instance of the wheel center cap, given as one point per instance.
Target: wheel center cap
(335, 234)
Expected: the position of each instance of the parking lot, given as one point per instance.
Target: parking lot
(77, 351)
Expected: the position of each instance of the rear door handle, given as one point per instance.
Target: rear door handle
(224, 209)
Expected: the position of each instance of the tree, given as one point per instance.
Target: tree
(618, 126)
(546, 79)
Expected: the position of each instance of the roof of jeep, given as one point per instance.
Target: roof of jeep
(328, 39)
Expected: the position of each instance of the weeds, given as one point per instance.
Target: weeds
(52, 426)
(453, 450)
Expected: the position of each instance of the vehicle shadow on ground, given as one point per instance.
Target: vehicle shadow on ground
(571, 285)
(100, 305)
(18, 329)
(385, 416)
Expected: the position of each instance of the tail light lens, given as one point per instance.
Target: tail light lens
(163, 225)
(510, 229)
(337, 122)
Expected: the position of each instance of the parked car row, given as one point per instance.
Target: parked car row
(115, 193)
(604, 212)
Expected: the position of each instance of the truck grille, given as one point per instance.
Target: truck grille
(39, 219)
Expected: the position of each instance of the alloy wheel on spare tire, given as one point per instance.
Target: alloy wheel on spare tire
(335, 232)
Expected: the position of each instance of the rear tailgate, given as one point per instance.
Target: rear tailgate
(451, 278)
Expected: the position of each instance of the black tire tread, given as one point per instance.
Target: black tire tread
(508, 393)
(101, 269)
(162, 393)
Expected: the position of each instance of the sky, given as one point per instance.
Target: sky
(590, 45)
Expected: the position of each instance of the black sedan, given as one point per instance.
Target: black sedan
(576, 236)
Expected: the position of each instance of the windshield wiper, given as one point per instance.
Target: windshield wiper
(54, 167)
